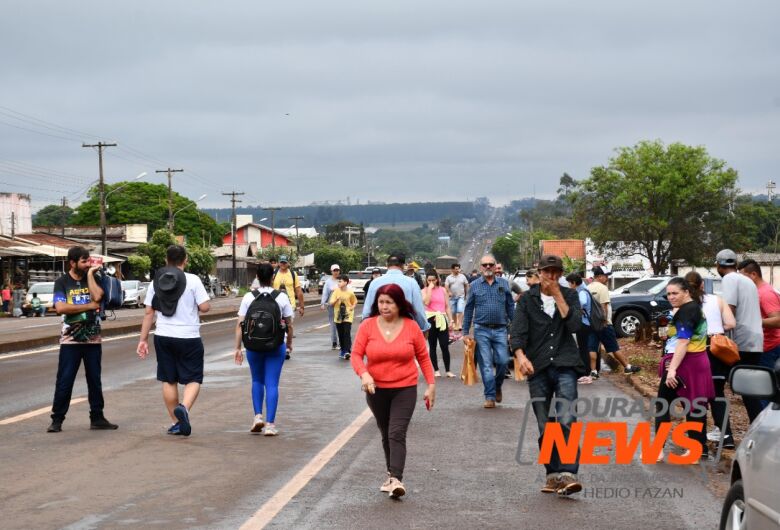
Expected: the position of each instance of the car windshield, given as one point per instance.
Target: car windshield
(658, 289)
(359, 275)
(130, 284)
(42, 288)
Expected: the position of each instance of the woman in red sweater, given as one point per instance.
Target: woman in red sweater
(391, 340)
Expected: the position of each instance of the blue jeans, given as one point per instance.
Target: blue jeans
(70, 359)
(491, 347)
(769, 359)
(562, 384)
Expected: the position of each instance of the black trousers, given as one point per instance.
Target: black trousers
(344, 329)
(670, 394)
(71, 356)
(393, 409)
(443, 338)
(583, 343)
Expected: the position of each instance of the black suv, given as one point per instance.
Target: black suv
(631, 311)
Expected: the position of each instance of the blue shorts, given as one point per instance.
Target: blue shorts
(457, 304)
(606, 337)
(179, 360)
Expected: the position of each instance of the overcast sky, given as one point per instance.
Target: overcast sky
(305, 100)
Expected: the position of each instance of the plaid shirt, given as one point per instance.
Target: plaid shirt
(488, 304)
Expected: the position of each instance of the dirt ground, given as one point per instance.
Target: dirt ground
(645, 383)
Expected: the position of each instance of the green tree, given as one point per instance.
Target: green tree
(200, 261)
(669, 201)
(505, 249)
(53, 215)
(145, 203)
(267, 253)
(348, 259)
(156, 247)
(139, 265)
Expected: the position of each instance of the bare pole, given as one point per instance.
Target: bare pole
(170, 173)
(297, 219)
(62, 214)
(273, 211)
(102, 187)
(233, 202)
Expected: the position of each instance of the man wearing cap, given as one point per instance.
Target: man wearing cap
(607, 336)
(176, 298)
(287, 281)
(412, 292)
(490, 307)
(741, 294)
(457, 286)
(542, 340)
(331, 284)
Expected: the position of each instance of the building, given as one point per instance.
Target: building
(15, 214)
(565, 248)
(248, 233)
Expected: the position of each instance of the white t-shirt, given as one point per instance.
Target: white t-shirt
(185, 322)
(711, 309)
(740, 291)
(282, 301)
(601, 295)
(548, 304)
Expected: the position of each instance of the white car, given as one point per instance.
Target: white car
(142, 289)
(131, 289)
(753, 501)
(45, 292)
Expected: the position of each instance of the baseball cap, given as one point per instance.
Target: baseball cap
(376, 271)
(726, 258)
(335, 267)
(598, 271)
(283, 259)
(550, 261)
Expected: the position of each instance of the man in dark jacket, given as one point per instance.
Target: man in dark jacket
(541, 338)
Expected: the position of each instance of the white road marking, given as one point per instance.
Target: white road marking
(275, 504)
(37, 412)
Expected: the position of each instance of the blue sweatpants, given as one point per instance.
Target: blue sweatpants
(266, 369)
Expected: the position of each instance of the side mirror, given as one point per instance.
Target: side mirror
(626, 291)
(754, 381)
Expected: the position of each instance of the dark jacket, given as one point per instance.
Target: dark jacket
(547, 341)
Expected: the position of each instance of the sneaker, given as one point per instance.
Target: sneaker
(594, 375)
(100, 423)
(347, 356)
(728, 442)
(270, 430)
(714, 435)
(341, 356)
(489, 404)
(552, 484)
(499, 396)
(387, 487)
(628, 370)
(287, 356)
(568, 484)
(396, 488)
(258, 424)
(687, 453)
(450, 374)
(56, 426)
(184, 419)
(437, 374)
(585, 380)
(174, 429)
(334, 346)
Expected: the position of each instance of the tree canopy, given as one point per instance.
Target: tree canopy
(53, 215)
(145, 203)
(671, 201)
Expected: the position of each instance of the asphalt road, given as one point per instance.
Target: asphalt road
(460, 469)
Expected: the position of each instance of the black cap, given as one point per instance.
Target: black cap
(376, 271)
(550, 261)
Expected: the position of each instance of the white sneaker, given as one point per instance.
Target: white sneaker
(270, 430)
(714, 435)
(450, 374)
(437, 373)
(258, 424)
(396, 488)
(585, 380)
(387, 486)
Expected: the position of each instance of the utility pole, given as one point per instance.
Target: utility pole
(350, 231)
(770, 190)
(102, 188)
(170, 194)
(233, 202)
(273, 226)
(62, 214)
(297, 219)
(13, 225)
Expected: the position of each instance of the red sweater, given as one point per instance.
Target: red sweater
(391, 364)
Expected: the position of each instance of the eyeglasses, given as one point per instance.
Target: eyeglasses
(488, 264)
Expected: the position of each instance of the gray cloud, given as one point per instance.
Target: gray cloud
(386, 100)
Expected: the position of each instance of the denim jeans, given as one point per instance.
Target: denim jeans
(769, 359)
(491, 347)
(560, 383)
(71, 356)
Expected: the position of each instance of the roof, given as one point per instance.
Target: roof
(302, 231)
(262, 227)
(572, 248)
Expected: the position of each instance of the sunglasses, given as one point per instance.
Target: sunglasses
(488, 264)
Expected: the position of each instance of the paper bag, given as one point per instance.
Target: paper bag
(468, 373)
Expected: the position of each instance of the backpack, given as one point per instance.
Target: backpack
(262, 328)
(596, 315)
(113, 296)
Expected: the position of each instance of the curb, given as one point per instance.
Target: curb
(53, 340)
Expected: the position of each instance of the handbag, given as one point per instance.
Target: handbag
(468, 372)
(724, 349)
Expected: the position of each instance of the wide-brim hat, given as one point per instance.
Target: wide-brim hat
(169, 284)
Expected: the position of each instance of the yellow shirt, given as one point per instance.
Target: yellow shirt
(283, 281)
(340, 297)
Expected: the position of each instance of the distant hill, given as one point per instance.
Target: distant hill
(368, 214)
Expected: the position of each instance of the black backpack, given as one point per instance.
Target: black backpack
(262, 329)
(596, 315)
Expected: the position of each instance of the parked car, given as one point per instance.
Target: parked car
(753, 501)
(321, 283)
(632, 311)
(45, 292)
(130, 288)
(143, 287)
(304, 282)
(357, 279)
(640, 285)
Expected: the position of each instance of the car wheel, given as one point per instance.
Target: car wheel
(733, 515)
(628, 322)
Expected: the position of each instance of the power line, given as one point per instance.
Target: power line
(233, 201)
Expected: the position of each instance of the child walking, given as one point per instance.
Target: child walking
(344, 301)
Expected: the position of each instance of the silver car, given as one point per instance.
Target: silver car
(753, 501)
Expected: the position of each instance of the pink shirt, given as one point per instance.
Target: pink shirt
(769, 301)
(438, 300)
(6, 295)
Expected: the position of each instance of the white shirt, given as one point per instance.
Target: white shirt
(548, 304)
(282, 301)
(711, 309)
(185, 322)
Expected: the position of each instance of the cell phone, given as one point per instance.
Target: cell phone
(680, 381)
(427, 403)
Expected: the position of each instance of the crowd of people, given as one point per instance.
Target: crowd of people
(553, 331)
